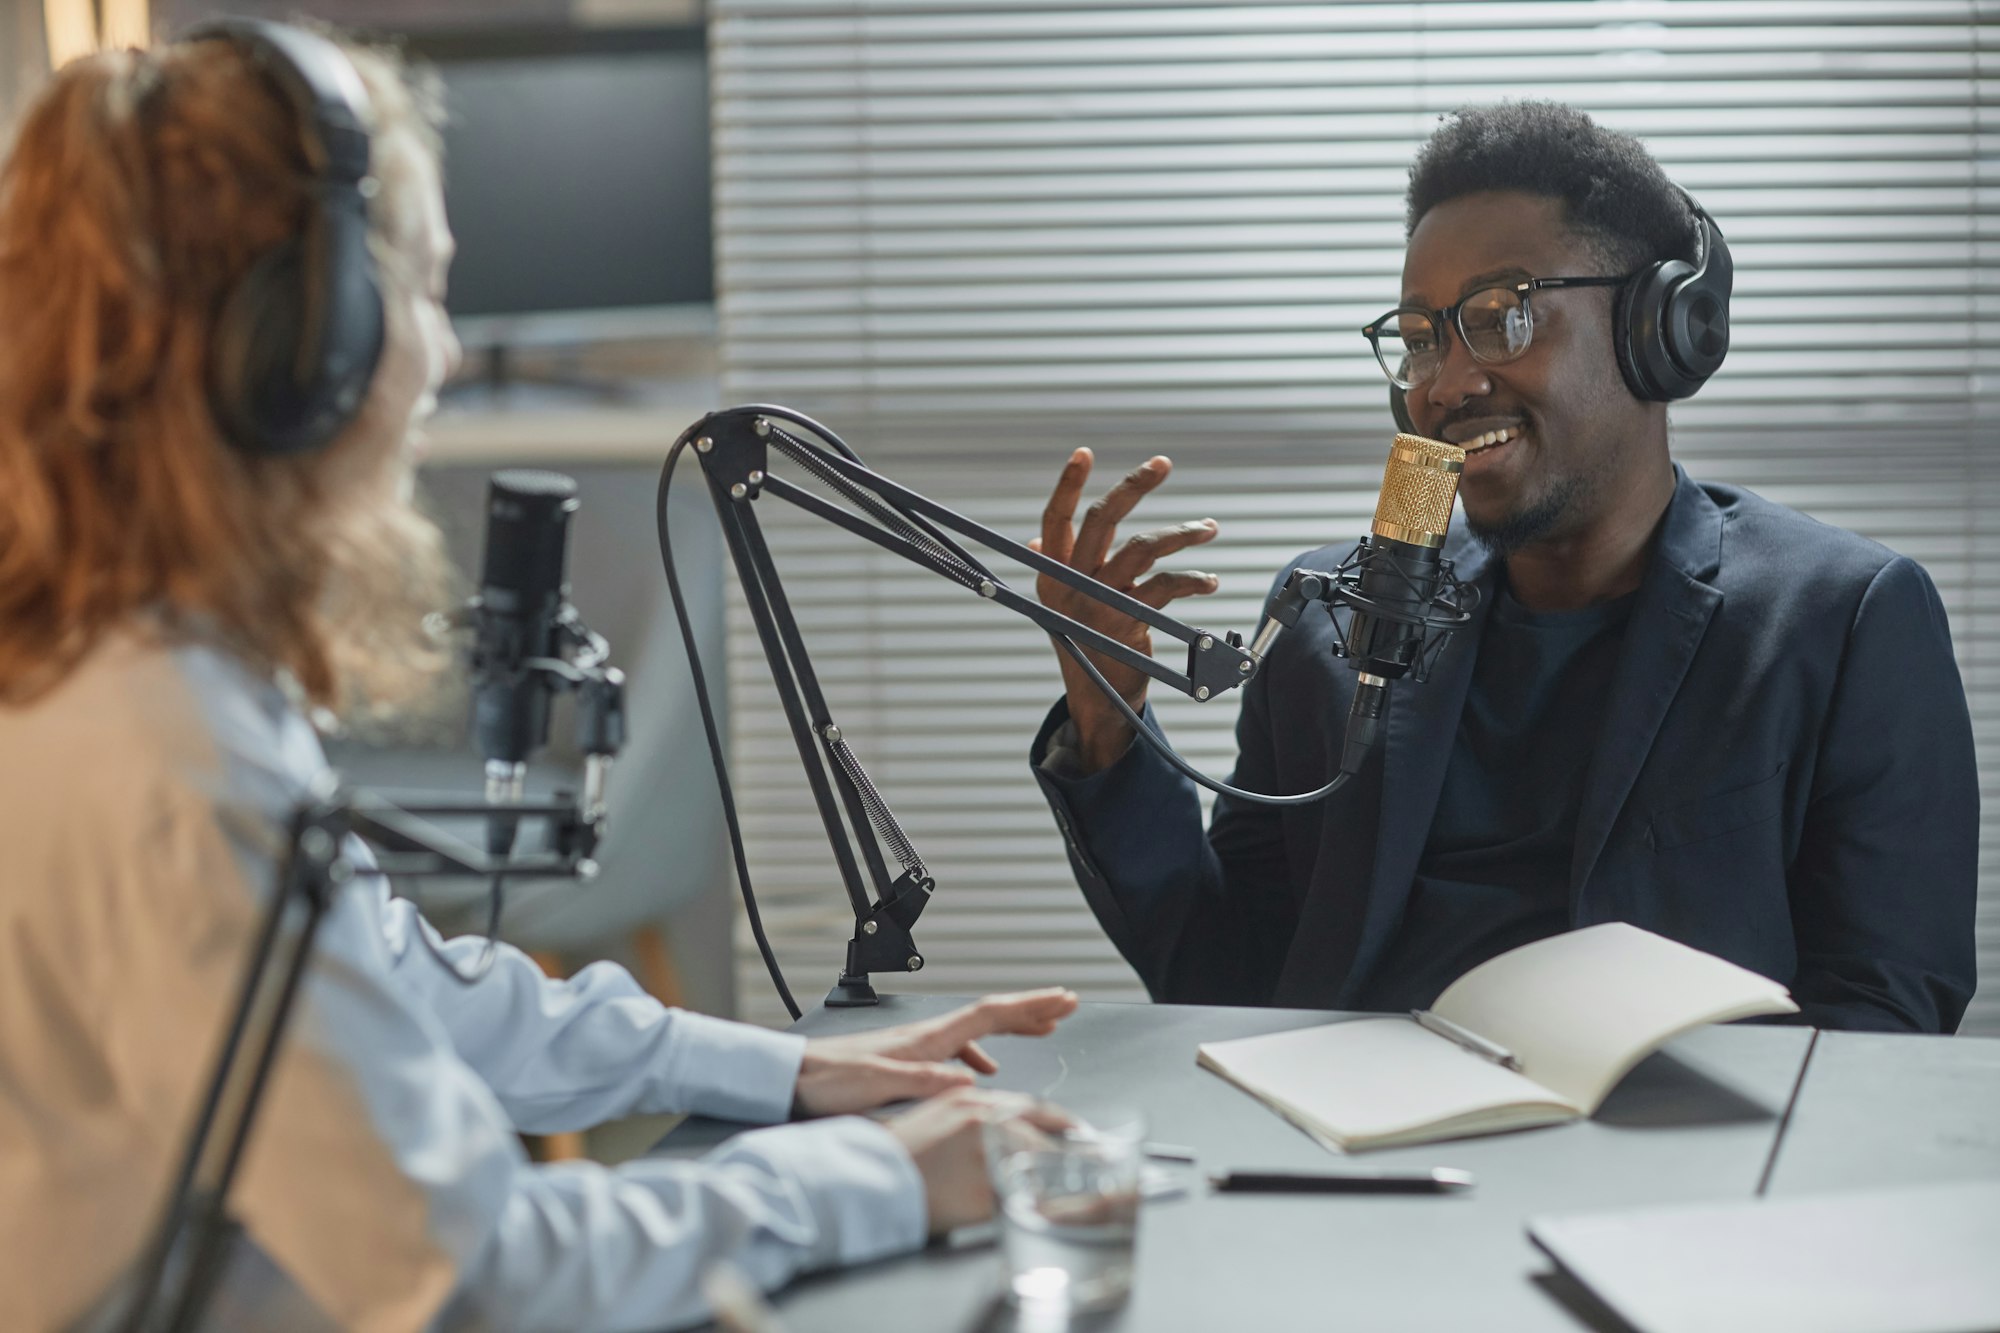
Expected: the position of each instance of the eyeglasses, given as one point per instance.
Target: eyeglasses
(1495, 323)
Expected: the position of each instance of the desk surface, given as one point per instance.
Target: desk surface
(1696, 1121)
(1879, 1110)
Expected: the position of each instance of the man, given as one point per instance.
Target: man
(1677, 704)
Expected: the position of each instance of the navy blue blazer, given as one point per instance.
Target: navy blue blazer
(1783, 776)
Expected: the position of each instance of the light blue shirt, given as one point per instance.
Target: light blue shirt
(141, 805)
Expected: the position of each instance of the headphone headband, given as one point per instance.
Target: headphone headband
(320, 83)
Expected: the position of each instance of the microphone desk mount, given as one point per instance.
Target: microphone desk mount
(735, 449)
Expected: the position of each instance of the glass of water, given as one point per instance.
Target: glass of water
(1069, 1211)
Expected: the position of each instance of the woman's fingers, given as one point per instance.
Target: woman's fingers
(896, 1080)
(1024, 1014)
(978, 1060)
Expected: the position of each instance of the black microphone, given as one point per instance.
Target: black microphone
(517, 622)
(1391, 584)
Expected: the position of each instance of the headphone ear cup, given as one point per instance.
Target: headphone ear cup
(1644, 357)
(272, 393)
(1399, 408)
(1697, 330)
(254, 354)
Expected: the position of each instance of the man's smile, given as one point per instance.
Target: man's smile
(1484, 443)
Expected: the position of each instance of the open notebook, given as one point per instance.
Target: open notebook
(1577, 1011)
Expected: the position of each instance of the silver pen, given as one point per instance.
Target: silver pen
(1471, 1041)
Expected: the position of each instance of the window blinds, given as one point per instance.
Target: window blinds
(970, 234)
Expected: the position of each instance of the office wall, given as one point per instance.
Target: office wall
(973, 234)
(23, 57)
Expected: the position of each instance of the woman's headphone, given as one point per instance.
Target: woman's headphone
(299, 337)
(1669, 323)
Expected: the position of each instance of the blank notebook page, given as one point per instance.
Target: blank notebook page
(1370, 1076)
(1581, 1008)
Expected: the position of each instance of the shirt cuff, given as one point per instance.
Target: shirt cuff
(733, 1071)
(865, 1191)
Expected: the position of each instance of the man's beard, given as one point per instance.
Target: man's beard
(1530, 523)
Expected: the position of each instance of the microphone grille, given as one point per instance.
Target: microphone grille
(1418, 488)
(527, 533)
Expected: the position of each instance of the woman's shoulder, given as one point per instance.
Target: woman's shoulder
(139, 716)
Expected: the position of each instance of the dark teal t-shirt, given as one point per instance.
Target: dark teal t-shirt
(1495, 870)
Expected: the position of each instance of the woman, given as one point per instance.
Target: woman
(173, 609)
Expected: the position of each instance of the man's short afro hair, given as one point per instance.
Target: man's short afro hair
(1615, 196)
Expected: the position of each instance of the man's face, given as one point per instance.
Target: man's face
(1574, 426)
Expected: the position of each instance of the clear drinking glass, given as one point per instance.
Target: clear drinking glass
(1069, 1211)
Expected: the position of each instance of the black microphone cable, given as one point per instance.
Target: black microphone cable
(1173, 758)
(488, 955)
(715, 738)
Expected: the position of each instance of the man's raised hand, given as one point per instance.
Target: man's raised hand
(1102, 731)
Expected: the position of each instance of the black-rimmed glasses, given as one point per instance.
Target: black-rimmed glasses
(1495, 323)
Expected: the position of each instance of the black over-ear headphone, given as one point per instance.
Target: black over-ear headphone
(1670, 323)
(299, 337)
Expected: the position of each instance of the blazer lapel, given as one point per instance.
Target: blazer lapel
(1675, 603)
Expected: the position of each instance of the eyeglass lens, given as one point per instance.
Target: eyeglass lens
(1494, 320)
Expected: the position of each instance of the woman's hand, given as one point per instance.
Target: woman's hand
(841, 1075)
(945, 1137)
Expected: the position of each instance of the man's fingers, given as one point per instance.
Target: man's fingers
(1139, 554)
(1101, 520)
(1057, 534)
(1160, 589)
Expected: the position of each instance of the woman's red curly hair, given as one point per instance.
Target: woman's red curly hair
(141, 186)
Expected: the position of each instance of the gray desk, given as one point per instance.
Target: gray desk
(1879, 1110)
(1696, 1121)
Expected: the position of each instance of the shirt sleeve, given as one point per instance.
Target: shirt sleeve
(627, 1249)
(385, 1178)
(563, 1055)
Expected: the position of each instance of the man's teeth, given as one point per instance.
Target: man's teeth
(1490, 438)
